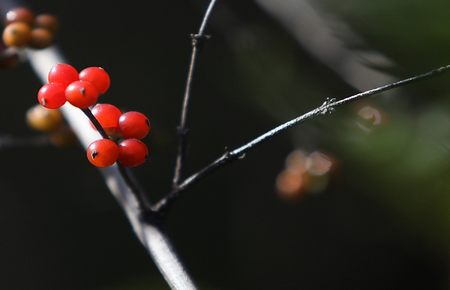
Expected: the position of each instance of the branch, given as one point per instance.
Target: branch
(327, 107)
(145, 224)
(10, 142)
(182, 127)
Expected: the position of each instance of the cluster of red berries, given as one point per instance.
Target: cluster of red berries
(82, 90)
(23, 28)
(128, 127)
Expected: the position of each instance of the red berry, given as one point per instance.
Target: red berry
(52, 96)
(102, 153)
(98, 77)
(132, 152)
(108, 116)
(81, 94)
(134, 125)
(63, 73)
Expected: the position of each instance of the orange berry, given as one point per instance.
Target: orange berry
(17, 34)
(291, 183)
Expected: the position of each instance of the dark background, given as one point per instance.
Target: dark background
(382, 223)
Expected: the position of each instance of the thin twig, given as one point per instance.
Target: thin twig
(127, 175)
(95, 122)
(327, 107)
(182, 127)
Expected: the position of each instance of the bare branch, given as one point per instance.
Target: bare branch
(182, 127)
(327, 107)
(10, 142)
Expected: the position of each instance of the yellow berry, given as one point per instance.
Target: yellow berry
(42, 119)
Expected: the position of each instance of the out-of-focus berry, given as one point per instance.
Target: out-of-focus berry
(318, 163)
(20, 14)
(40, 38)
(291, 184)
(42, 119)
(47, 21)
(17, 34)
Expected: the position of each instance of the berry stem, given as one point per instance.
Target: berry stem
(197, 39)
(95, 122)
(239, 153)
(135, 187)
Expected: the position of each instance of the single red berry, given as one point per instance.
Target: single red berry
(102, 153)
(63, 73)
(81, 94)
(132, 152)
(134, 125)
(108, 116)
(52, 96)
(98, 77)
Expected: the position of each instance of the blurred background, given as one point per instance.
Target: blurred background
(358, 199)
